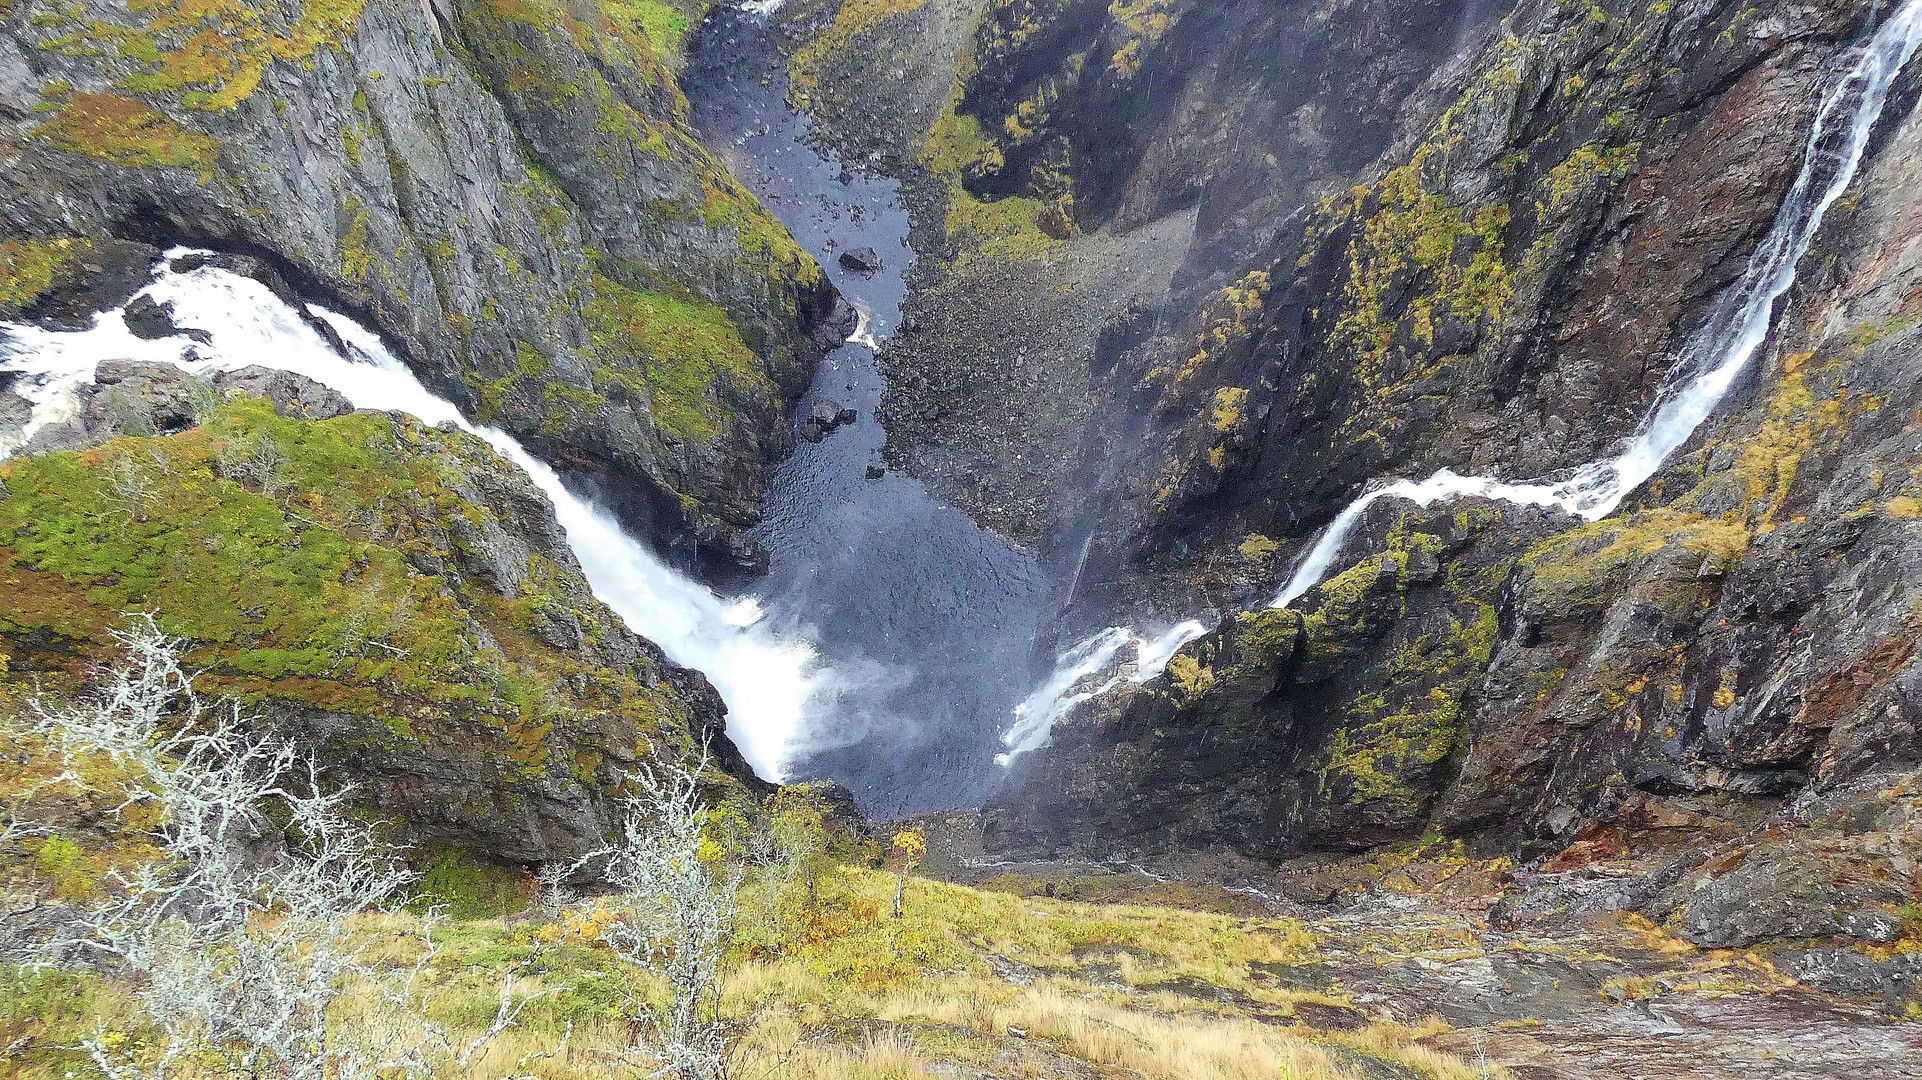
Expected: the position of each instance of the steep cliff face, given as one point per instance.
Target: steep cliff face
(397, 596)
(509, 191)
(1502, 296)
(1732, 655)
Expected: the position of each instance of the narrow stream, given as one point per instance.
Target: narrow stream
(926, 621)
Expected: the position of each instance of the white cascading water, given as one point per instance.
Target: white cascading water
(766, 681)
(1034, 718)
(1717, 353)
(1695, 385)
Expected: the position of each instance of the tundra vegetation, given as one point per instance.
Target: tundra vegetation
(191, 895)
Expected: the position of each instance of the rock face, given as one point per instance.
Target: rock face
(508, 191)
(397, 596)
(1426, 241)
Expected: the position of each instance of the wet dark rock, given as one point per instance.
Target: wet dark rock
(861, 260)
(152, 321)
(327, 332)
(1796, 889)
(841, 322)
(823, 417)
(1330, 1017)
(1895, 981)
(876, 472)
(104, 277)
(1252, 724)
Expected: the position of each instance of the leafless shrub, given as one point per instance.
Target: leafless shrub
(234, 941)
(677, 904)
(203, 398)
(256, 460)
(131, 487)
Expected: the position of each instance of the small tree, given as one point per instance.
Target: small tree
(676, 907)
(910, 846)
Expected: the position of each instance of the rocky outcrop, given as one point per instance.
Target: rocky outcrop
(399, 597)
(509, 192)
(1333, 726)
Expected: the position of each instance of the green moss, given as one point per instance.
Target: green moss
(125, 132)
(1339, 616)
(1190, 678)
(852, 19)
(1580, 568)
(1008, 227)
(1588, 166)
(1415, 259)
(287, 552)
(207, 55)
(30, 266)
(688, 353)
(36, 1003)
(664, 24)
(357, 256)
(465, 888)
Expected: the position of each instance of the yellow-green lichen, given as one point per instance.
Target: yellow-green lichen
(30, 266)
(123, 131)
(688, 353)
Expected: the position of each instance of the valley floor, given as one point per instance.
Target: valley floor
(1408, 980)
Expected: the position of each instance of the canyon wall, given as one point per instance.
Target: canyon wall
(510, 192)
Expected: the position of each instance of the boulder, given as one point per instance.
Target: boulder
(823, 417)
(862, 260)
(151, 321)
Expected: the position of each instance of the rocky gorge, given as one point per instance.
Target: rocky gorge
(1153, 442)
(1480, 245)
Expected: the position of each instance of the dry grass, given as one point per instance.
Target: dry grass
(887, 999)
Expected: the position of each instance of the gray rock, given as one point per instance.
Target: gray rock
(132, 398)
(152, 321)
(862, 260)
(1894, 982)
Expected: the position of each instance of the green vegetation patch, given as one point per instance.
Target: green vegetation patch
(126, 132)
(293, 555)
(689, 354)
(30, 266)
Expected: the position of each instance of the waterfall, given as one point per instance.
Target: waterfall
(1738, 324)
(1718, 352)
(766, 680)
(1068, 684)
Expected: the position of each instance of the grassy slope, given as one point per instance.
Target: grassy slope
(292, 554)
(841, 990)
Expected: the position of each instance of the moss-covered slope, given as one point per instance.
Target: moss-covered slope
(396, 594)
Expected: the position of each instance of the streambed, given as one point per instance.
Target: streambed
(925, 622)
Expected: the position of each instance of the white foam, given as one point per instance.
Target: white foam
(767, 681)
